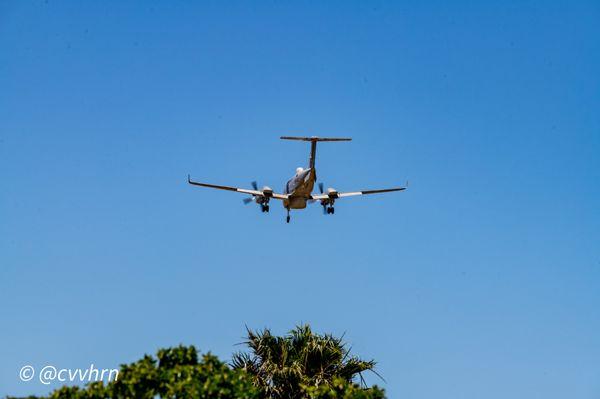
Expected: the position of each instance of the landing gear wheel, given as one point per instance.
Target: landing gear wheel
(332, 210)
(287, 220)
(266, 208)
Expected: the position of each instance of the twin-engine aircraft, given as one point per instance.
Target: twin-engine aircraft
(298, 190)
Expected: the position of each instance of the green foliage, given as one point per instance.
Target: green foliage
(179, 374)
(283, 367)
(341, 389)
(300, 365)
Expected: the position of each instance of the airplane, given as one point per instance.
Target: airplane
(298, 190)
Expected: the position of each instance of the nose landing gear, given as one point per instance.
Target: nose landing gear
(287, 219)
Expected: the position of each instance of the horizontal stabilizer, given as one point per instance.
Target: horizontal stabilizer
(314, 138)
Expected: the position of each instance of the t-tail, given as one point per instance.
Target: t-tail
(313, 145)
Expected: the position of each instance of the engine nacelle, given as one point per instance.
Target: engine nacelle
(267, 191)
(332, 192)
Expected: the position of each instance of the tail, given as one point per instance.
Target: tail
(313, 144)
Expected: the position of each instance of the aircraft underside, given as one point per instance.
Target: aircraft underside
(295, 203)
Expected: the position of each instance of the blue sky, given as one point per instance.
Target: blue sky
(481, 280)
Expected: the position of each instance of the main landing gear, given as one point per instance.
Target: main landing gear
(328, 208)
(287, 219)
(264, 208)
(327, 203)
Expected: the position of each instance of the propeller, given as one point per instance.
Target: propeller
(312, 201)
(248, 200)
(324, 204)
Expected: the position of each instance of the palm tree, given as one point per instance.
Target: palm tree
(281, 366)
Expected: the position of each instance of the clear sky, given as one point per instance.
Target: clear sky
(480, 281)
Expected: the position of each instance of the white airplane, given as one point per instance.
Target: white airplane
(298, 190)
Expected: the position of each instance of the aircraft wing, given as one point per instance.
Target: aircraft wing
(354, 193)
(239, 190)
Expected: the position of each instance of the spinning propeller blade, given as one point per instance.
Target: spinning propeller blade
(323, 203)
(250, 199)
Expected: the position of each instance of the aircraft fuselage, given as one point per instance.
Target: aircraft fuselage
(299, 188)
